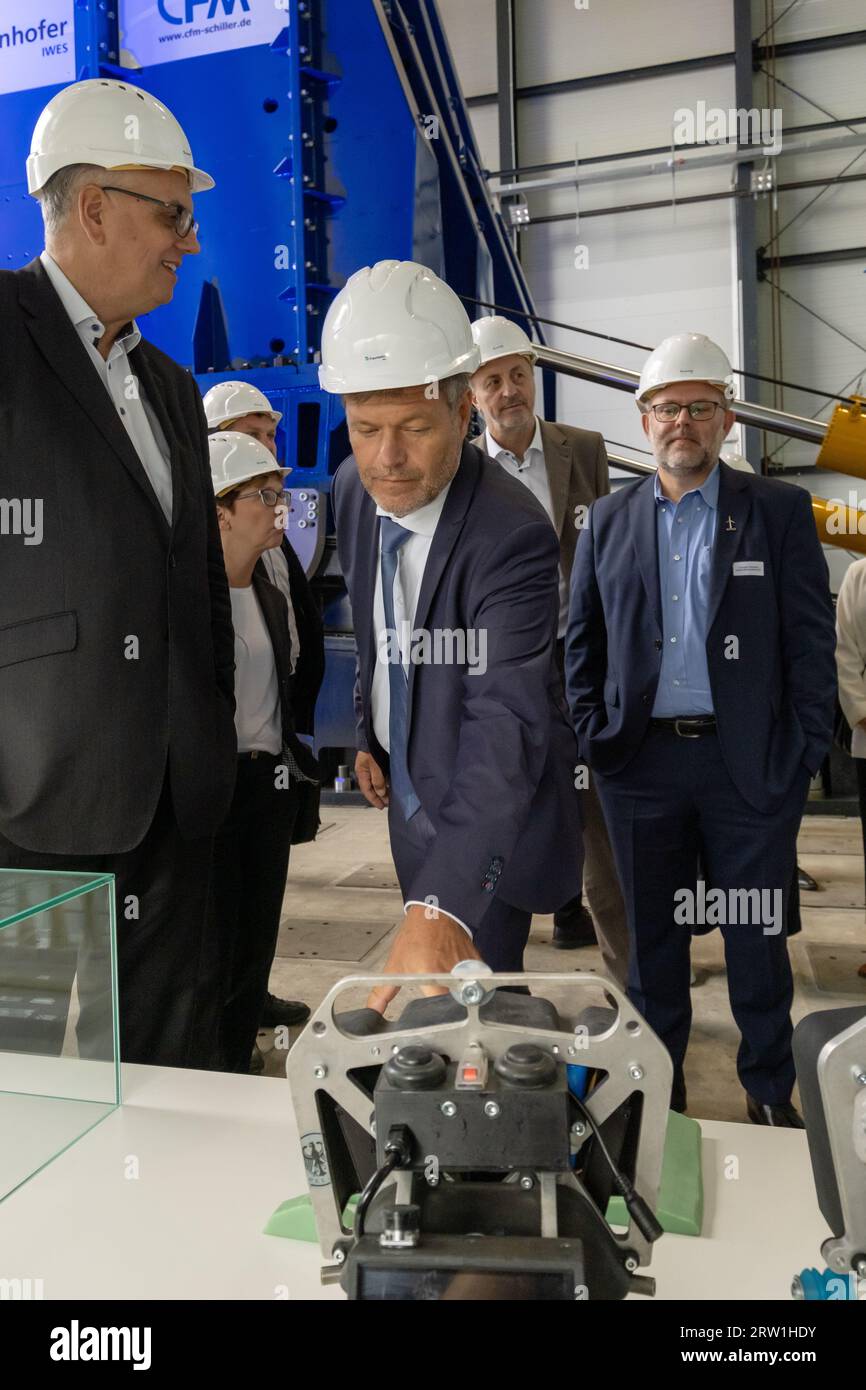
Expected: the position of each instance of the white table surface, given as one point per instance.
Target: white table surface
(217, 1153)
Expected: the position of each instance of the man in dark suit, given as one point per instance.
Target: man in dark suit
(566, 469)
(451, 568)
(240, 406)
(700, 666)
(117, 751)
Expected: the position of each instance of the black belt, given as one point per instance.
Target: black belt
(688, 725)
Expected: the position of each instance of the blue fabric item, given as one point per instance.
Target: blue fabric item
(686, 531)
(393, 536)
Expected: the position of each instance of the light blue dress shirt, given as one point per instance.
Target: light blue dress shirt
(686, 531)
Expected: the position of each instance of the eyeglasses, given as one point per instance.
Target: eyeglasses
(268, 495)
(183, 217)
(698, 410)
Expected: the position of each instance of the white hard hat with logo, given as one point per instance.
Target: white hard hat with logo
(231, 400)
(394, 324)
(500, 337)
(686, 357)
(112, 124)
(236, 457)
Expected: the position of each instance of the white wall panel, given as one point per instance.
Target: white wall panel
(658, 272)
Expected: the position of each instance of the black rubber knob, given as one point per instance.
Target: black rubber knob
(526, 1065)
(415, 1068)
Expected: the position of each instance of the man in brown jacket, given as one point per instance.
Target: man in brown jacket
(566, 469)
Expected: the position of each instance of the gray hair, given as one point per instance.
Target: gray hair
(56, 197)
(454, 388)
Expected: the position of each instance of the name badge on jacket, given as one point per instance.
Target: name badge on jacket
(748, 567)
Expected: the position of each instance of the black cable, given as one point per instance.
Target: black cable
(644, 1218)
(626, 342)
(398, 1152)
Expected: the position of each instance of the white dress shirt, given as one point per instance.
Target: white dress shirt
(411, 562)
(532, 472)
(277, 568)
(257, 697)
(851, 652)
(123, 386)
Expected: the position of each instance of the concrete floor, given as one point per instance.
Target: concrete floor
(832, 943)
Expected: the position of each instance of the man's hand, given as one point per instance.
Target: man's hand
(371, 780)
(425, 945)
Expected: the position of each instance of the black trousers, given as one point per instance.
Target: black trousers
(500, 938)
(251, 860)
(163, 945)
(673, 801)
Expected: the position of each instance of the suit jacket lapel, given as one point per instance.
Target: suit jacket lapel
(642, 518)
(734, 506)
(444, 539)
(60, 345)
(557, 462)
(362, 608)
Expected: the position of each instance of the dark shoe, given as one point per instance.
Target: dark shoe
(572, 929)
(782, 1116)
(283, 1013)
(806, 881)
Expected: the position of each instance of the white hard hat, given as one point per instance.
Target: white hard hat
(686, 357)
(499, 337)
(394, 324)
(236, 457)
(231, 400)
(113, 124)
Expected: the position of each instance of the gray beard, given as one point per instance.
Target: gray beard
(684, 469)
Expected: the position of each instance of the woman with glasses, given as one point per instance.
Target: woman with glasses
(276, 796)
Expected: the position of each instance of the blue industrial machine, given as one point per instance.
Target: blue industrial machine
(337, 136)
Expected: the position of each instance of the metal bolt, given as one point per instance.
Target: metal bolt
(578, 1127)
(472, 993)
(395, 1047)
(631, 1264)
(491, 1109)
(339, 1255)
(448, 1108)
(797, 1288)
(526, 1183)
(320, 1071)
(859, 1075)
(373, 1128)
(635, 1072)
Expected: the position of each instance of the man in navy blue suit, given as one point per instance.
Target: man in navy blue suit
(700, 674)
(452, 572)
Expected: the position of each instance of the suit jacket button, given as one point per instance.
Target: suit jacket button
(644, 699)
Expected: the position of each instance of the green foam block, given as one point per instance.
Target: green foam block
(294, 1219)
(680, 1208)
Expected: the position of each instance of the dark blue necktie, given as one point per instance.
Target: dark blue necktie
(393, 536)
